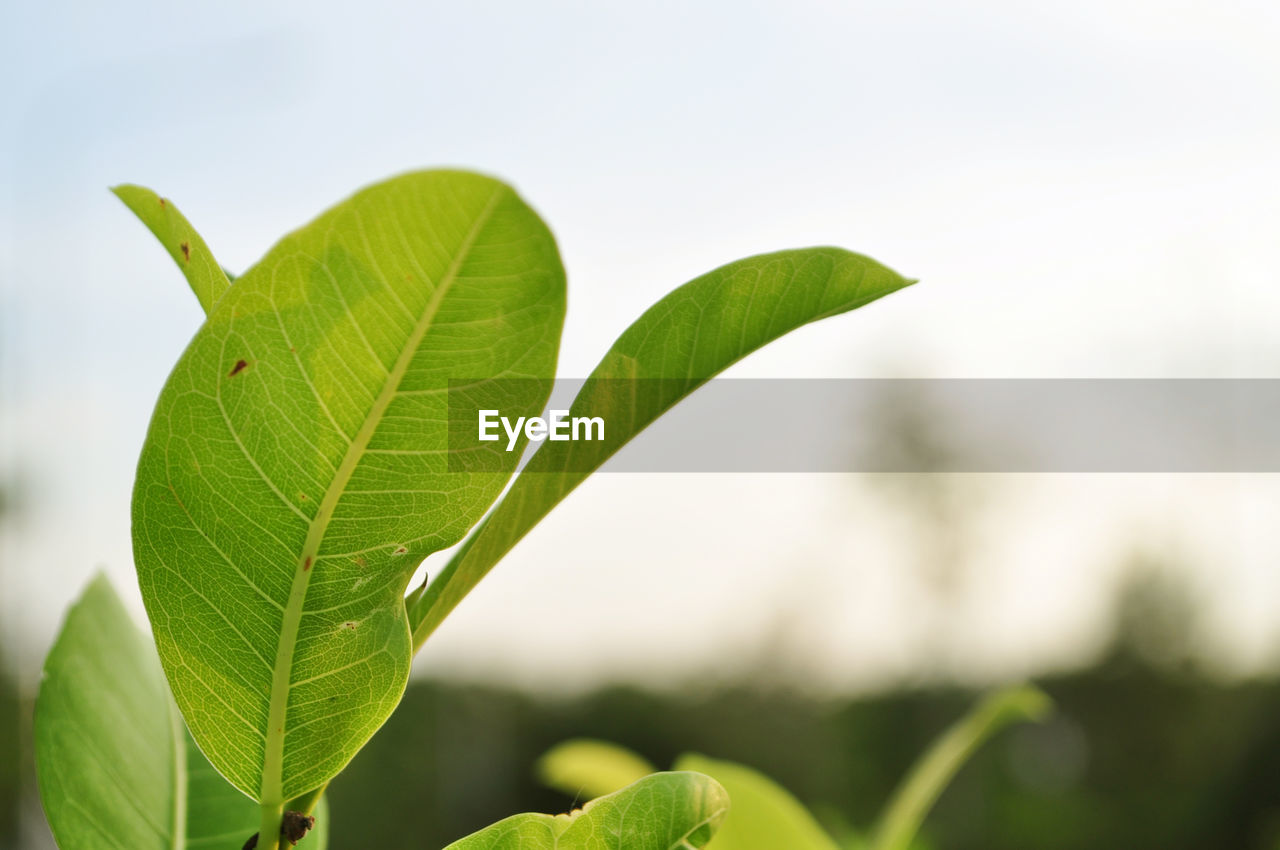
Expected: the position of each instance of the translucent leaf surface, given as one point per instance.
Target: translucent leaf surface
(295, 471)
(664, 811)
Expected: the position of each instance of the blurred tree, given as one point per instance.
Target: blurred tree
(938, 505)
(1158, 618)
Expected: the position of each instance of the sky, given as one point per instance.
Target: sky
(1084, 189)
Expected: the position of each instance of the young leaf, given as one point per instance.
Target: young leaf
(207, 279)
(294, 473)
(765, 815)
(115, 764)
(663, 811)
(933, 772)
(688, 337)
(586, 769)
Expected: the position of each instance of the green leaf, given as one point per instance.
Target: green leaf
(935, 769)
(116, 767)
(663, 811)
(295, 471)
(207, 279)
(586, 768)
(765, 815)
(687, 337)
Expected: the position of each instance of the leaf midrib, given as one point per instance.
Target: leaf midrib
(271, 789)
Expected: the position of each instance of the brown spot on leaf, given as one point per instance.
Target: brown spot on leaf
(362, 561)
(163, 203)
(240, 366)
(350, 625)
(400, 550)
(185, 247)
(306, 565)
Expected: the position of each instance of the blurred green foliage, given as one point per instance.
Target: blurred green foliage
(1133, 758)
(767, 816)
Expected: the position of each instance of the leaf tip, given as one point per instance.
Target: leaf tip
(124, 191)
(99, 585)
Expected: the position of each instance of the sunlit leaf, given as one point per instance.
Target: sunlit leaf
(116, 767)
(663, 811)
(765, 816)
(295, 471)
(686, 338)
(585, 768)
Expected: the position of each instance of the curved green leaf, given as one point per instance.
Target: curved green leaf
(688, 337)
(207, 279)
(664, 811)
(765, 815)
(116, 767)
(586, 768)
(936, 768)
(295, 471)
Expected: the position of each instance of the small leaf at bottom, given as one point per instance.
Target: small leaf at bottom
(663, 811)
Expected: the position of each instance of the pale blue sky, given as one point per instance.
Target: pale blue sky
(1085, 188)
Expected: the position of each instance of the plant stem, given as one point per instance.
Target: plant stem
(269, 826)
(930, 775)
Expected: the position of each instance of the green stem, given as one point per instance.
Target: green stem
(269, 826)
(935, 769)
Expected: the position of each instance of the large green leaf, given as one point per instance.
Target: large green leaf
(295, 471)
(686, 338)
(664, 811)
(207, 279)
(116, 767)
